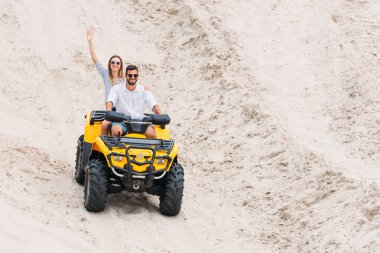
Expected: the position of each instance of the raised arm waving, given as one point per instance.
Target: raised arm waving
(90, 36)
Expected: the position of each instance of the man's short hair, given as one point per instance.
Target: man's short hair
(131, 67)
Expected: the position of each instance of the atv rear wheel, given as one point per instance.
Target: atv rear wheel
(171, 198)
(79, 172)
(95, 185)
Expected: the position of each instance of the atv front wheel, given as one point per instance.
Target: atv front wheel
(95, 185)
(171, 198)
(79, 172)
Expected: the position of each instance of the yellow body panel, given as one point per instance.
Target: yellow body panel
(163, 134)
(91, 131)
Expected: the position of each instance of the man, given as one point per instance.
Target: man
(130, 98)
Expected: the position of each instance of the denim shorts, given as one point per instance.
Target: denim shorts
(122, 125)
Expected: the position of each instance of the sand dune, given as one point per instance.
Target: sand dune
(275, 106)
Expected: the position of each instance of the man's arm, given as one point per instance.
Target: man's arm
(112, 98)
(150, 102)
(156, 109)
(109, 105)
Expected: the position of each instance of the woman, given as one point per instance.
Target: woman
(114, 75)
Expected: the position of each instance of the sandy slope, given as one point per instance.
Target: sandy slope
(275, 106)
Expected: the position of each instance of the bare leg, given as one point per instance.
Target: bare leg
(106, 126)
(116, 130)
(150, 133)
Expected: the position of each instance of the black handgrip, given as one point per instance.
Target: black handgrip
(116, 117)
(160, 119)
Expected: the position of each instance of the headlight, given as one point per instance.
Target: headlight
(160, 160)
(118, 158)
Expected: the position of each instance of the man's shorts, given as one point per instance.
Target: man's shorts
(122, 125)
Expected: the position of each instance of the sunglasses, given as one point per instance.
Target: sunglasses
(115, 62)
(134, 75)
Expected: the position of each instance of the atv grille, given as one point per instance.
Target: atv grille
(97, 116)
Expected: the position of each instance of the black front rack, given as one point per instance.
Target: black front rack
(122, 142)
(112, 142)
(160, 144)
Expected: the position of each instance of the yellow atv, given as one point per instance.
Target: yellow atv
(107, 164)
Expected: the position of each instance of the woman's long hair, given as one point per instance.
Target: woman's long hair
(120, 73)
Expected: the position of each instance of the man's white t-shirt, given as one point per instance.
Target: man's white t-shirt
(131, 103)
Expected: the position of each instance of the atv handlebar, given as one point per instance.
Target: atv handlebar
(155, 119)
(116, 117)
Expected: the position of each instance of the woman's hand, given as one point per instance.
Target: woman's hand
(90, 36)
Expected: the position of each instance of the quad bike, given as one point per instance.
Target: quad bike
(108, 164)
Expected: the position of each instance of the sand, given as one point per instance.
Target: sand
(274, 104)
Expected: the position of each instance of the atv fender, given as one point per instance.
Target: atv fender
(99, 146)
(174, 154)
